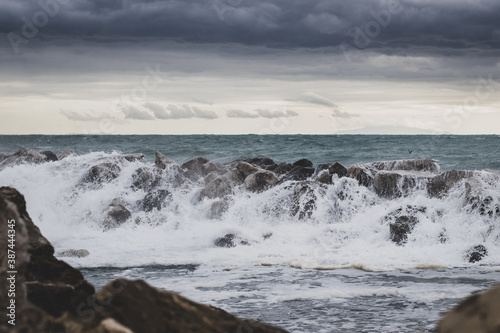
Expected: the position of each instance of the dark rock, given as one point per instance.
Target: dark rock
(23, 156)
(102, 173)
(324, 178)
(218, 209)
(267, 236)
(134, 157)
(82, 253)
(282, 168)
(156, 200)
(395, 184)
(49, 156)
(338, 169)
(320, 168)
(298, 173)
(260, 181)
(304, 200)
(161, 161)
(230, 240)
(261, 162)
(116, 215)
(246, 168)
(146, 178)
(476, 314)
(201, 167)
(400, 229)
(365, 177)
(196, 165)
(420, 165)
(479, 199)
(303, 163)
(4, 156)
(477, 253)
(441, 184)
(217, 188)
(65, 154)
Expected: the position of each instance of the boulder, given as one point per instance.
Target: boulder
(298, 173)
(200, 167)
(476, 253)
(230, 240)
(246, 168)
(395, 184)
(218, 209)
(476, 314)
(481, 197)
(402, 221)
(282, 168)
(49, 156)
(146, 178)
(217, 188)
(115, 215)
(102, 173)
(196, 165)
(304, 199)
(65, 154)
(441, 184)
(161, 161)
(155, 200)
(420, 165)
(23, 156)
(260, 181)
(324, 178)
(365, 177)
(338, 169)
(303, 163)
(4, 156)
(261, 162)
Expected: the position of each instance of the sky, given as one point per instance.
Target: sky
(249, 67)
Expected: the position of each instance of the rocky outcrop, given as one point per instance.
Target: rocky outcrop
(102, 173)
(441, 184)
(476, 253)
(52, 296)
(115, 215)
(260, 181)
(395, 184)
(23, 156)
(156, 200)
(402, 221)
(161, 161)
(217, 188)
(230, 240)
(476, 314)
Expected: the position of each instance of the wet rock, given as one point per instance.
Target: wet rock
(82, 253)
(196, 165)
(441, 184)
(4, 156)
(402, 221)
(246, 168)
(49, 156)
(156, 200)
(480, 198)
(218, 209)
(65, 154)
(23, 156)
(304, 200)
(395, 184)
(201, 167)
(133, 157)
(115, 215)
(365, 177)
(303, 163)
(260, 181)
(476, 314)
(146, 178)
(161, 161)
(338, 169)
(477, 253)
(261, 162)
(282, 168)
(325, 178)
(217, 188)
(298, 173)
(230, 240)
(102, 173)
(420, 165)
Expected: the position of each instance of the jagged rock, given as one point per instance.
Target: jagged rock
(51, 284)
(303, 163)
(146, 178)
(217, 188)
(365, 177)
(477, 253)
(441, 184)
(324, 178)
(116, 215)
(402, 222)
(49, 156)
(65, 154)
(218, 209)
(201, 167)
(161, 161)
(395, 184)
(298, 173)
(304, 200)
(338, 169)
(134, 157)
(102, 173)
(320, 168)
(480, 199)
(196, 165)
(23, 155)
(4, 156)
(82, 253)
(234, 177)
(156, 200)
(260, 181)
(476, 314)
(282, 168)
(230, 240)
(246, 168)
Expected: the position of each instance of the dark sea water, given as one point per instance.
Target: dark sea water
(334, 271)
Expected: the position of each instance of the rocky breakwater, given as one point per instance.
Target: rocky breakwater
(45, 294)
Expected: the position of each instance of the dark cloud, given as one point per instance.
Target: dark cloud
(273, 23)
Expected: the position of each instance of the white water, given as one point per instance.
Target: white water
(346, 229)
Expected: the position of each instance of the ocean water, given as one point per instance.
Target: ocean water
(334, 269)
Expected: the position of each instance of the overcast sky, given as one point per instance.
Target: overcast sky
(242, 66)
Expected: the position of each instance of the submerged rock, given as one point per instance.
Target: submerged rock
(482, 197)
(260, 181)
(49, 156)
(82, 253)
(23, 156)
(395, 184)
(156, 200)
(477, 253)
(402, 221)
(217, 188)
(102, 173)
(304, 199)
(116, 215)
(230, 240)
(218, 209)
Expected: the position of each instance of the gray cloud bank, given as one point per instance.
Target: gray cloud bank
(271, 23)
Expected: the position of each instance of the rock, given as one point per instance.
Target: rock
(230, 240)
(298, 173)
(477, 253)
(234, 177)
(49, 156)
(261, 162)
(476, 314)
(52, 285)
(395, 184)
(246, 168)
(402, 221)
(4, 156)
(260, 181)
(161, 161)
(146, 178)
(303, 163)
(102, 173)
(201, 167)
(282, 168)
(479, 197)
(441, 184)
(217, 188)
(218, 209)
(23, 156)
(365, 177)
(304, 200)
(324, 178)
(65, 154)
(155, 200)
(82, 253)
(320, 168)
(134, 157)
(196, 165)
(338, 169)
(116, 215)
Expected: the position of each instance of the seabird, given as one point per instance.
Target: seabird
(409, 151)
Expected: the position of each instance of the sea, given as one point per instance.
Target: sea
(334, 270)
